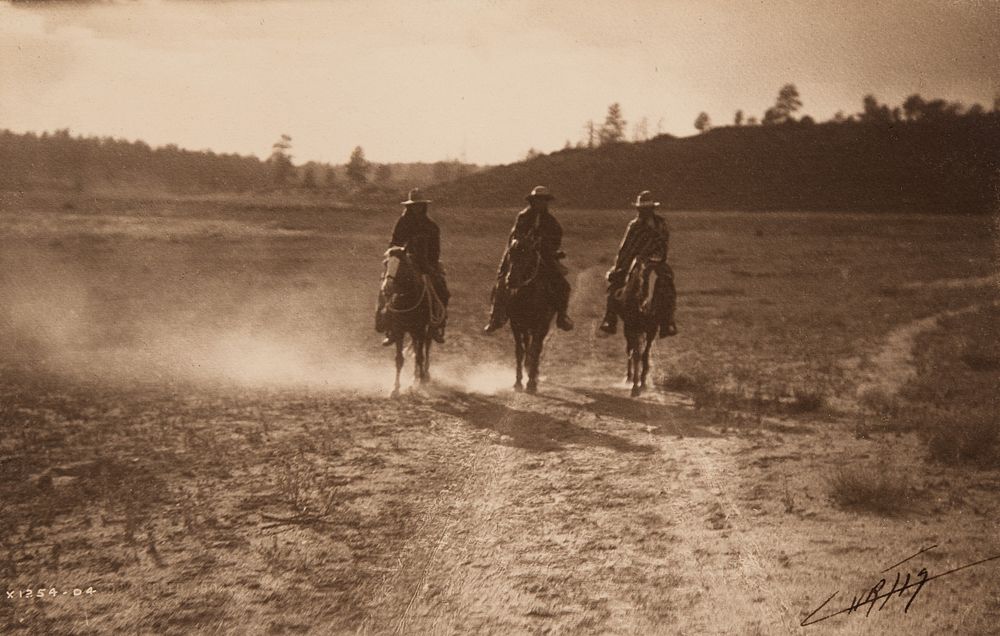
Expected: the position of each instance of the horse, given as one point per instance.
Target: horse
(640, 308)
(528, 307)
(411, 307)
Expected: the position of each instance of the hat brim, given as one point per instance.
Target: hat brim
(651, 204)
(411, 202)
(547, 197)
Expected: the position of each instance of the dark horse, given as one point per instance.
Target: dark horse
(411, 307)
(640, 307)
(528, 307)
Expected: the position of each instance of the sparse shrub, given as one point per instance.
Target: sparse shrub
(869, 489)
(806, 401)
(879, 403)
(971, 440)
(684, 382)
(981, 361)
(698, 385)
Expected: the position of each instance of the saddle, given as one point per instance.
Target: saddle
(641, 281)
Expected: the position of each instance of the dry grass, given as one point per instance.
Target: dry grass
(138, 455)
(953, 401)
(869, 489)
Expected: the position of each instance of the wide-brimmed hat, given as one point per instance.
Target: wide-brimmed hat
(645, 200)
(540, 192)
(415, 196)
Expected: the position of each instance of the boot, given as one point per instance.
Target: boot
(438, 334)
(498, 313)
(563, 322)
(668, 328)
(610, 323)
(494, 324)
(389, 340)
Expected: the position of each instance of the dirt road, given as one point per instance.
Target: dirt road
(578, 509)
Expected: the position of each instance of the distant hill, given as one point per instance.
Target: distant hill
(940, 166)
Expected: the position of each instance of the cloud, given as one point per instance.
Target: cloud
(422, 81)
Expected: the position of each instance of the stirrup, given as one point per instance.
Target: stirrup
(389, 340)
(564, 323)
(608, 326)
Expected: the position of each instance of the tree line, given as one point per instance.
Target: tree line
(913, 109)
(30, 161)
(787, 104)
(63, 161)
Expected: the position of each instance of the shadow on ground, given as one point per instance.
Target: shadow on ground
(668, 420)
(532, 430)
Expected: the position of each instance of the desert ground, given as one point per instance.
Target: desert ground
(196, 433)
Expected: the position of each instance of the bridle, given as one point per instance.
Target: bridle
(534, 272)
(437, 308)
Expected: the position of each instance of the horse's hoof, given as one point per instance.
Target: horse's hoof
(394, 394)
(636, 391)
(532, 389)
(518, 387)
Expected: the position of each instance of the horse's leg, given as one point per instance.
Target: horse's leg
(418, 362)
(629, 345)
(534, 359)
(530, 339)
(635, 358)
(650, 336)
(426, 376)
(519, 356)
(399, 366)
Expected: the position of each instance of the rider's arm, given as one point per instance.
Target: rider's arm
(434, 246)
(625, 248)
(552, 239)
(519, 228)
(398, 234)
(665, 232)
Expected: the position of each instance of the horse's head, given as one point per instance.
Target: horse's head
(395, 271)
(525, 260)
(641, 283)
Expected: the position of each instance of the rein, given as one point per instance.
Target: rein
(534, 274)
(438, 312)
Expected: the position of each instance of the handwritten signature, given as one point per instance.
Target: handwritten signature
(900, 587)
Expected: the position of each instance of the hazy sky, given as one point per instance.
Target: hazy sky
(425, 80)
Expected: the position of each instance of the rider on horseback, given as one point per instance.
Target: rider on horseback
(646, 238)
(535, 223)
(421, 238)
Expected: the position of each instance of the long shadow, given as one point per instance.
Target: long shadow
(532, 430)
(668, 420)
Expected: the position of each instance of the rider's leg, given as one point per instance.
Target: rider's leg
(498, 299)
(561, 291)
(382, 322)
(610, 323)
(498, 308)
(380, 312)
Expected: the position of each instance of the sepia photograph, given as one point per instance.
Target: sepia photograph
(499, 317)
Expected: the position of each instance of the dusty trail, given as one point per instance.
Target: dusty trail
(593, 513)
(893, 365)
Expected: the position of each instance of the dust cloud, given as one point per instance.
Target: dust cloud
(111, 324)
